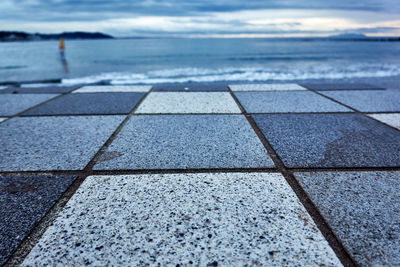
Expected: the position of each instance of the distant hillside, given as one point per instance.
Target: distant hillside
(362, 37)
(9, 36)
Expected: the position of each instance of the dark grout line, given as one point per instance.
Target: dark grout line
(31, 240)
(356, 110)
(93, 161)
(140, 171)
(40, 228)
(35, 106)
(344, 169)
(341, 252)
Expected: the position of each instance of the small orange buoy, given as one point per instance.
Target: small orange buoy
(62, 45)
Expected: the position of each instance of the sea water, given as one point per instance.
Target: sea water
(180, 60)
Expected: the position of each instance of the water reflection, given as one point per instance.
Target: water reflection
(62, 56)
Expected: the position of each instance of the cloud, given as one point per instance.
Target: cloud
(152, 17)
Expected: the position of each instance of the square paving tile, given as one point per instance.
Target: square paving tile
(114, 89)
(191, 102)
(11, 104)
(220, 219)
(24, 200)
(341, 86)
(191, 88)
(392, 119)
(53, 143)
(39, 90)
(368, 101)
(363, 208)
(267, 87)
(89, 103)
(185, 142)
(331, 140)
(290, 101)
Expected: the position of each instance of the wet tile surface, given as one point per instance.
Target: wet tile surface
(11, 104)
(291, 101)
(392, 119)
(267, 87)
(187, 219)
(53, 143)
(186, 141)
(24, 200)
(89, 103)
(341, 86)
(39, 90)
(368, 101)
(330, 140)
(363, 208)
(190, 102)
(191, 88)
(114, 89)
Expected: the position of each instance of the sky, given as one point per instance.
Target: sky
(207, 18)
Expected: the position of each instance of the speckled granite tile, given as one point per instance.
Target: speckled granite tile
(24, 200)
(219, 219)
(267, 87)
(368, 101)
(392, 119)
(191, 88)
(11, 104)
(89, 103)
(53, 143)
(363, 208)
(39, 90)
(330, 140)
(341, 86)
(114, 89)
(289, 101)
(185, 142)
(190, 102)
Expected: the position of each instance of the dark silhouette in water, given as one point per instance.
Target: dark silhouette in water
(62, 56)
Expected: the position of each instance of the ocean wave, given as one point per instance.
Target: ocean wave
(249, 74)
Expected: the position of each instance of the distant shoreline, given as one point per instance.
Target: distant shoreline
(15, 36)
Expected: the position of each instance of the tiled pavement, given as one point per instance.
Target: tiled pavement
(200, 175)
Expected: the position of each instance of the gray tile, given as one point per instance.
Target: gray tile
(11, 104)
(289, 101)
(392, 119)
(39, 90)
(233, 219)
(114, 89)
(331, 140)
(363, 208)
(53, 143)
(191, 102)
(24, 200)
(185, 142)
(267, 87)
(341, 86)
(89, 103)
(368, 101)
(191, 88)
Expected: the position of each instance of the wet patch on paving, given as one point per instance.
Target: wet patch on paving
(330, 140)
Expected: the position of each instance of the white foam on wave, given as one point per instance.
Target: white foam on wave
(249, 74)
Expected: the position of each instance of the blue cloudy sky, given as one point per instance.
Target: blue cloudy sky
(229, 18)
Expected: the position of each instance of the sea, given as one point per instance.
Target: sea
(198, 60)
